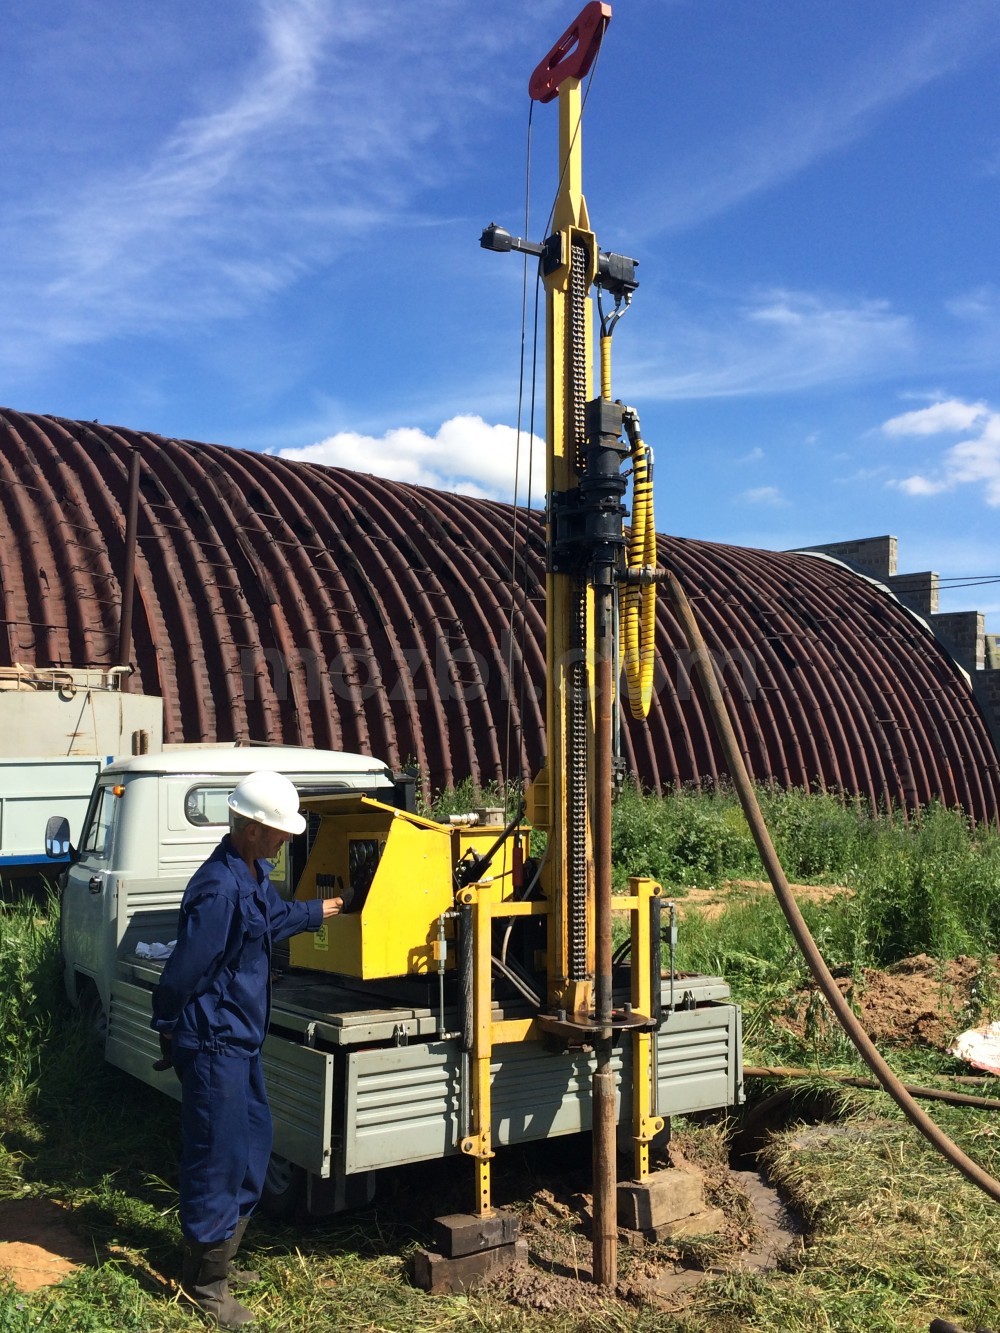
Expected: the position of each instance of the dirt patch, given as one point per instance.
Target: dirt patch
(919, 999)
(712, 902)
(37, 1248)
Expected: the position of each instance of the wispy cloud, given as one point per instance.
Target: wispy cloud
(974, 460)
(780, 342)
(467, 455)
(173, 236)
(295, 155)
(821, 119)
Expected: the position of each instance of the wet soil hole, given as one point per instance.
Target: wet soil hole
(782, 1108)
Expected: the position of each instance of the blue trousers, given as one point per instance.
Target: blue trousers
(225, 1141)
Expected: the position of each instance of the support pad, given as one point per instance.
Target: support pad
(665, 1198)
(449, 1277)
(708, 1222)
(468, 1233)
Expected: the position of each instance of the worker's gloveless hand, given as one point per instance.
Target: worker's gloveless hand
(332, 906)
(166, 1059)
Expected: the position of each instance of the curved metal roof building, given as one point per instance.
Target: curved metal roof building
(286, 601)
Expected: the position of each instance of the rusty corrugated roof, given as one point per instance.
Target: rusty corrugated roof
(286, 601)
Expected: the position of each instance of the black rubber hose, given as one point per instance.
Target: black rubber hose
(852, 1081)
(706, 674)
(465, 979)
(655, 958)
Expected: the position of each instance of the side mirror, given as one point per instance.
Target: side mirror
(57, 841)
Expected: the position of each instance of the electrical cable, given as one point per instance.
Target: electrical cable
(521, 987)
(524, 894)
(517, 473)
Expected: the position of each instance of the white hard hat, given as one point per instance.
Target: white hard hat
(268, 798)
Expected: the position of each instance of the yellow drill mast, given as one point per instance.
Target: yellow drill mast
(571, 798)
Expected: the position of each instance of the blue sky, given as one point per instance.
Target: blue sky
(256, 222)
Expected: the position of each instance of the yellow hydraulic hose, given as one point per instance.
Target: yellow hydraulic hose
(640, 599)
(638, 614)
(606, 367)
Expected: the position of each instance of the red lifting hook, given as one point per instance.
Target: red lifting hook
(573, 54)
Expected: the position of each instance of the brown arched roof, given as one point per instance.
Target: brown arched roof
(279, 600)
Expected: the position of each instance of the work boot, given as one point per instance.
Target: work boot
(241, 1277)
(204, 1276)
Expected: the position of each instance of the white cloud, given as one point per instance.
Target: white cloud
(467, 455)
(764, 495)
(972, 461)
(952, 415)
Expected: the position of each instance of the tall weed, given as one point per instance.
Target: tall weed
(30, 990)
(931, 886)
(689, 838)
(927, 882)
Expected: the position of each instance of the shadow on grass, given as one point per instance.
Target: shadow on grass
(108, 1146)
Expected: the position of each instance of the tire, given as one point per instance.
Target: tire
(93, 1013)
(284, 1194)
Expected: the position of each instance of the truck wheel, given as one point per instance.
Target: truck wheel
(283, 1195)
(93, 1013)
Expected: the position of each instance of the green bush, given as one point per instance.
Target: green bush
(30, 989)
(689, 838)
(927, 882)
(818, 836)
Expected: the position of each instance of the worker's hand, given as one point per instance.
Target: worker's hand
(166, 1059)
(332, 906)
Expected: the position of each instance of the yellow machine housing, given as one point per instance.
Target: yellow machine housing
(396, 872)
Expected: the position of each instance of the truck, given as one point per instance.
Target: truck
(362, 1074)
(60, 726)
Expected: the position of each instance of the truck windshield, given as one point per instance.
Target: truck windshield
(97, 835)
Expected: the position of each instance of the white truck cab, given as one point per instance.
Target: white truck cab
(152, 820)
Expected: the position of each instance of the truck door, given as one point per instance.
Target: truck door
(88, 907)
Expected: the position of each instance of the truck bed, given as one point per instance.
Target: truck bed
(360, 1078)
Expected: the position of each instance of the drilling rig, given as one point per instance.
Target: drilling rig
(425, 899)
(587, 571)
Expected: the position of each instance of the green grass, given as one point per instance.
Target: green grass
(894, 1236)
(30, 990)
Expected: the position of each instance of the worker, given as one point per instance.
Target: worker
(211, 1010)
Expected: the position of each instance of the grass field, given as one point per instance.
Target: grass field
(893, 1237)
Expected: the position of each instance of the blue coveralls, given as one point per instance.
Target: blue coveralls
(214, 999)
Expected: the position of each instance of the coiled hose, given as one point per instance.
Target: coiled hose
(638, 613)
(706, 673)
